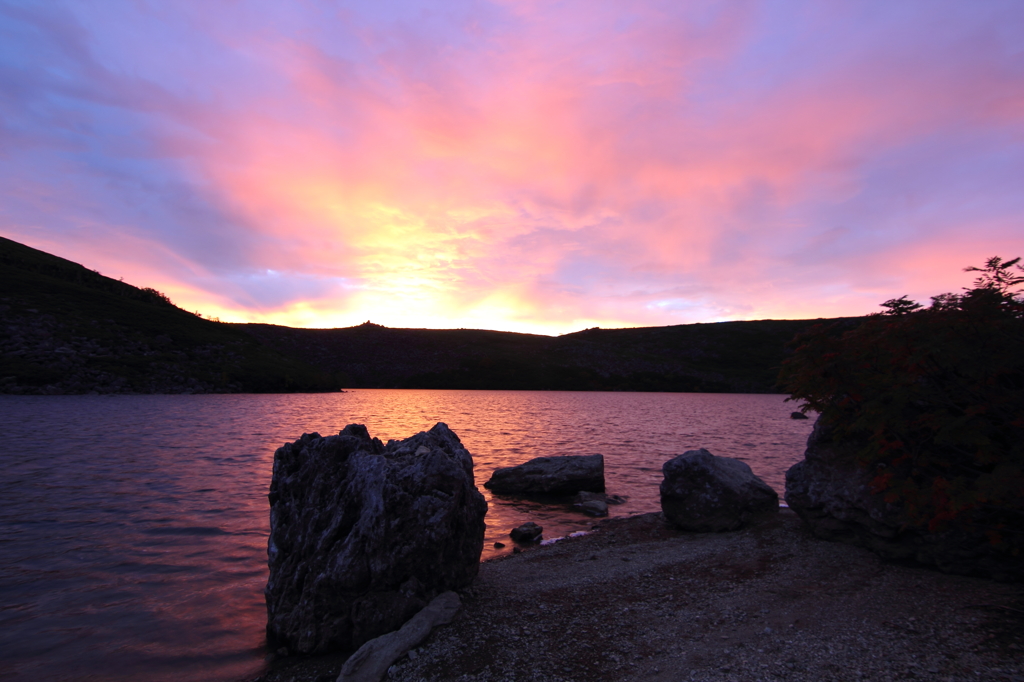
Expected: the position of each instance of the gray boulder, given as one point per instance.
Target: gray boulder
(705, 493)
(363, 536)
(833, 496)
(551, 476)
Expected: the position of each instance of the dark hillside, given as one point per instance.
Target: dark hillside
(724, 357)
(67, 329)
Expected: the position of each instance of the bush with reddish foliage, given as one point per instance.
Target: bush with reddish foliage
(934, 399)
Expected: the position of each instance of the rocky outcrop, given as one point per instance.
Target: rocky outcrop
(798, 415)
(833, 496)
(551, 476)
(363, 536)
(705, 493)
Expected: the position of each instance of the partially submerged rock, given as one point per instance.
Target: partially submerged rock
(551, 475)
(833, 496)
(586, 496)
(591, 504)
(797, 415)
(528, 532)
(593, 507)
(363, 536)
(705, 493)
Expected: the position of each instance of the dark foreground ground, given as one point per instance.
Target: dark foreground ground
(637, 600)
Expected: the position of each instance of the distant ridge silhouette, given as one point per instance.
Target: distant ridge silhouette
(68, 329)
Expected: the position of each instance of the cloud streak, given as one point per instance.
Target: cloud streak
(524, 166)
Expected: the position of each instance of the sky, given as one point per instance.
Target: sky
(538, 167)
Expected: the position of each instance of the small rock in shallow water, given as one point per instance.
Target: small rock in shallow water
(528, 532)
(499, 545)
(593, 508)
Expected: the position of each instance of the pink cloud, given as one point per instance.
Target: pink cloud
(547, 167)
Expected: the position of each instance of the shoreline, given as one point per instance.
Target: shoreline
(638, 600)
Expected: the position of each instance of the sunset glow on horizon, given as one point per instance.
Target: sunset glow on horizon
(520, 166)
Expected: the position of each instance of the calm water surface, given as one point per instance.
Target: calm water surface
(134, 528)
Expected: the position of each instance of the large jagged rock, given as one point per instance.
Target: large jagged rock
(705, 493)
(833, 495)
(363, 536)
(565, 475)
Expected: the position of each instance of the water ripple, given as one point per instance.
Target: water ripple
(134, 528)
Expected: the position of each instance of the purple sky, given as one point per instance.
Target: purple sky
(528, 166)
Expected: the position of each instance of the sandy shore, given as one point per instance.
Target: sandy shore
(638, 600)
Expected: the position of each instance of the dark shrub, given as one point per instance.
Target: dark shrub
(934, 400)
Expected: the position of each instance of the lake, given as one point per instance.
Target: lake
(134, 528)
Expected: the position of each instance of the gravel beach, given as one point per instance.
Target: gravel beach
(638, 600)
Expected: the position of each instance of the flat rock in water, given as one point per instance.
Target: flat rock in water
(564, 475)
(363, 536)
(705, 493)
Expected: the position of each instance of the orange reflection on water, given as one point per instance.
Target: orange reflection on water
(136, 526)
(636, 432)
